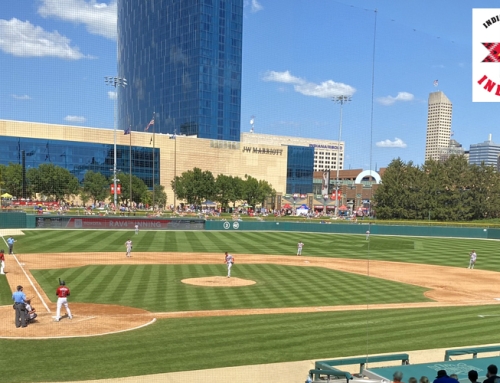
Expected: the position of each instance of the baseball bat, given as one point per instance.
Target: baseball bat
(59, 280)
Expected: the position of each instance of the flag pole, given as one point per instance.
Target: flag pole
(154, 130)
(130, 164)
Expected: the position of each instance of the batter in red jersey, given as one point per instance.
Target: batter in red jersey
(62, 293)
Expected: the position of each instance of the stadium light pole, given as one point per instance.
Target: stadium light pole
(115, 82)
(341, 100)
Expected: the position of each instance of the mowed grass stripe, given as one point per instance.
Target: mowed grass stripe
(277, 286)
(264, 338)
(439, 251)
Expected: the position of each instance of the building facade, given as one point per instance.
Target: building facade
(149, 156)
(182, 61)
(328, 154)
(439, 115)
(486, 152)
(454, 148)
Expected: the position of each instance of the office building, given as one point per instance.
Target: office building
(439, 115)
(325, 151)
(305, 156)
(182, 61)
(454, 148)
(486, 152)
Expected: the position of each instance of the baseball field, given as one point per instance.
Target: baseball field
(170, 308)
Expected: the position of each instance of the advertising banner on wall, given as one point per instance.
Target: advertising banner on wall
(119, 223)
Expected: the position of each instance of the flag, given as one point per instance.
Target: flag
(436, 83)
(127, 131)
(152, 122)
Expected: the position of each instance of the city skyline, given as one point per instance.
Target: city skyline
(296, 58)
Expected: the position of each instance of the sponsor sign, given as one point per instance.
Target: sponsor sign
(486, 55)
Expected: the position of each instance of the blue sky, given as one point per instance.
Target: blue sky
(297, 55)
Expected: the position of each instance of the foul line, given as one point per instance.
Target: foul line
(31, 283)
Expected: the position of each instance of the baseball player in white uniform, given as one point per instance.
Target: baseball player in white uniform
(136, 229)
(128, 245)
(300, 245)
(229, 260)
(472, 261)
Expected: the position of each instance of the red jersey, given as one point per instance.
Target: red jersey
(2, 257)
(62, 292)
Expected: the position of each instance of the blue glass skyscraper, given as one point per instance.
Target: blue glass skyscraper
(182, 60)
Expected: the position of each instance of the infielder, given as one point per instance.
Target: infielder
(128, 246)
(367, 235)
(136, 229)
(300, 245)
(472, 261)
(62, 293)
(2, 262)
(229, 259)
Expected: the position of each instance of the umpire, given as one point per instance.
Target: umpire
(19, 299)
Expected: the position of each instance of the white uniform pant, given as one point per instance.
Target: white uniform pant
(2, 267)
(471, 264)
(229, 265)
(62, 302)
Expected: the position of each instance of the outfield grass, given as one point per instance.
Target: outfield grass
(197, 343)
(277, 286)
(436, 251)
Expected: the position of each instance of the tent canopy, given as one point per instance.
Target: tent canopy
(6, 195)
(209, 203)
(343, 207)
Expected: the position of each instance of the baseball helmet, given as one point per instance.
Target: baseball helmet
(62, 283)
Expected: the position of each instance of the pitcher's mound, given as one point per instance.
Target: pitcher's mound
(218, 282)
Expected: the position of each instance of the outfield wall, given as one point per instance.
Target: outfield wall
(21, 220)
(359, 228)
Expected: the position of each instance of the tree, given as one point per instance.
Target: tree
(226, 189)
(251, 192)
(95, 186)
(140, 192)
(160, 197)
(194, 186)
(53, 181)
(12, 178)
(265, 190)
(450, 190)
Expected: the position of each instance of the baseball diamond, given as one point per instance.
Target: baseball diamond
(111, 294)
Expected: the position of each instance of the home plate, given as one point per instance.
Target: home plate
(497, 299)
(306, 261)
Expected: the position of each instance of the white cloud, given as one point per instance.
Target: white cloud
(112, 95)
(256, 6)
(285, 77)
(402, 96)
(23, 39)
(397, 143)
(77, 119)
(327, 89)
(99, 18)
(23, 97)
